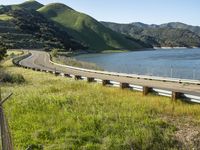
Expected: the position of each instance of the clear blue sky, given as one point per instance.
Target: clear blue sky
(126, 11)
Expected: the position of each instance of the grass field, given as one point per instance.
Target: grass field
(14, 52)
(5, 17)
(58, 113)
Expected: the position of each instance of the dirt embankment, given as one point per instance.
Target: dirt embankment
(187, 132)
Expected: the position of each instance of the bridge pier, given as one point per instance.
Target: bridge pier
(105, 82)
(176, 95)
(77, 77)
(67, 75)
(42, 70)
(124, 85)
(51, 72)
(146, 90)
(56, 73)
(90, 79)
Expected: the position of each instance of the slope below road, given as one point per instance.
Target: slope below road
(41, 60)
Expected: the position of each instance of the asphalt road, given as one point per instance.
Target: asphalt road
(40, 60)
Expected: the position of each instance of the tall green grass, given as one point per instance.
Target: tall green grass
(58, 113)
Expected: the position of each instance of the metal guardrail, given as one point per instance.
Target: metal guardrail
(17, 59)
(173, 94)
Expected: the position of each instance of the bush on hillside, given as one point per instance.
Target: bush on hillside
(54, 52)
(2, 51)
(11, 78)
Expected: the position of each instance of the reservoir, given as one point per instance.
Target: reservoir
(175, 63)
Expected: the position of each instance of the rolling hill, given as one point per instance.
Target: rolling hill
(86, 29)
(166, 35)
(22, 28)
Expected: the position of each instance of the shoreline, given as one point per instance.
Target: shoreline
(83, 52)
(193, 47)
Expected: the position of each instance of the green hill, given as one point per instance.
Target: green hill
(86, 29)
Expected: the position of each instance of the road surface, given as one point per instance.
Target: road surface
(40, 60)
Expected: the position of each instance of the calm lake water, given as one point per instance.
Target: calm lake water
(177, 63)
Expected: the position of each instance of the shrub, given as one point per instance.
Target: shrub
(35, 147)
(11, 78)
(2, 51)
(54, 52)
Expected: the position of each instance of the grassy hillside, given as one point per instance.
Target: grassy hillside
(22, 28)
(59, 113)
(45, 30)
(13, 37)
(87, 29)
(5, 17)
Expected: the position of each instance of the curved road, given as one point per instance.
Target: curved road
(41, 60)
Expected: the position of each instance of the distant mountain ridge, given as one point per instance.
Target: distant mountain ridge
(174, 34)
(179, 25)
(176, 25)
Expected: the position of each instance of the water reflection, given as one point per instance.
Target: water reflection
(177, 63)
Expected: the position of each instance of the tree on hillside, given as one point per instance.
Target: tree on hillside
(2, 50)
(54, 52)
